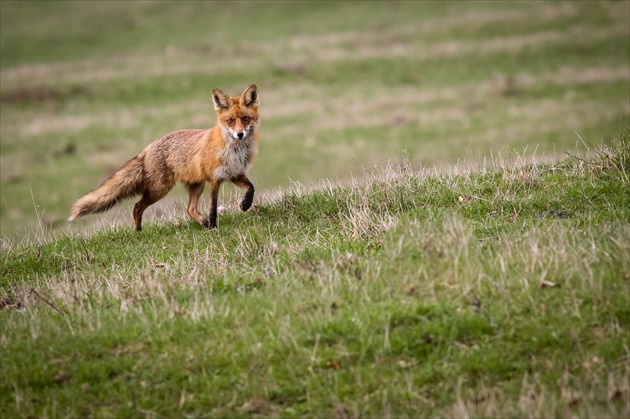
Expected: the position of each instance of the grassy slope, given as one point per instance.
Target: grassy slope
(502, 293)
(345, 86)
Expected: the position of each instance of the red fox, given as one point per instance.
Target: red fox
(192, 157)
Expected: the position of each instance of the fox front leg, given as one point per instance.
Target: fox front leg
(211, 222)
(244, 183)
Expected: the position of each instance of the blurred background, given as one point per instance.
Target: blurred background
(346, 88)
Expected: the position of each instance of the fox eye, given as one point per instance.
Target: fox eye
(246, 119)
(230, 121)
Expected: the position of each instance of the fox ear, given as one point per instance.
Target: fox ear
(221, 100)
(250, 96)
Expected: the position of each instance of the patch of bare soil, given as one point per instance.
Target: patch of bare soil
(37, 95)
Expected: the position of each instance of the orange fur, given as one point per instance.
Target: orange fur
(192, 157)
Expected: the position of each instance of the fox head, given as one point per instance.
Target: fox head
(237, 116)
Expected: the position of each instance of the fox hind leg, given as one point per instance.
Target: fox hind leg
(148, 199)
(139, 208)
(194, 193)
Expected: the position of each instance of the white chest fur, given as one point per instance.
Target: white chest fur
(235, 159)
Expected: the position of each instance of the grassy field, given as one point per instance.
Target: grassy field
(441, 227)
(345, 87)
(502, 293)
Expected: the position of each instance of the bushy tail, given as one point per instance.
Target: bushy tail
(123, 184)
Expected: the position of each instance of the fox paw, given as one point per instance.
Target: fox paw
(246, 204)
(206, 223)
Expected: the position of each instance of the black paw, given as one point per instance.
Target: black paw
(246, 204)
(207, 224)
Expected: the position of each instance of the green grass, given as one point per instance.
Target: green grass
(440, 228)
(501, 292)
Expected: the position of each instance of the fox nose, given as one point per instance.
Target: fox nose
(240, 135)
